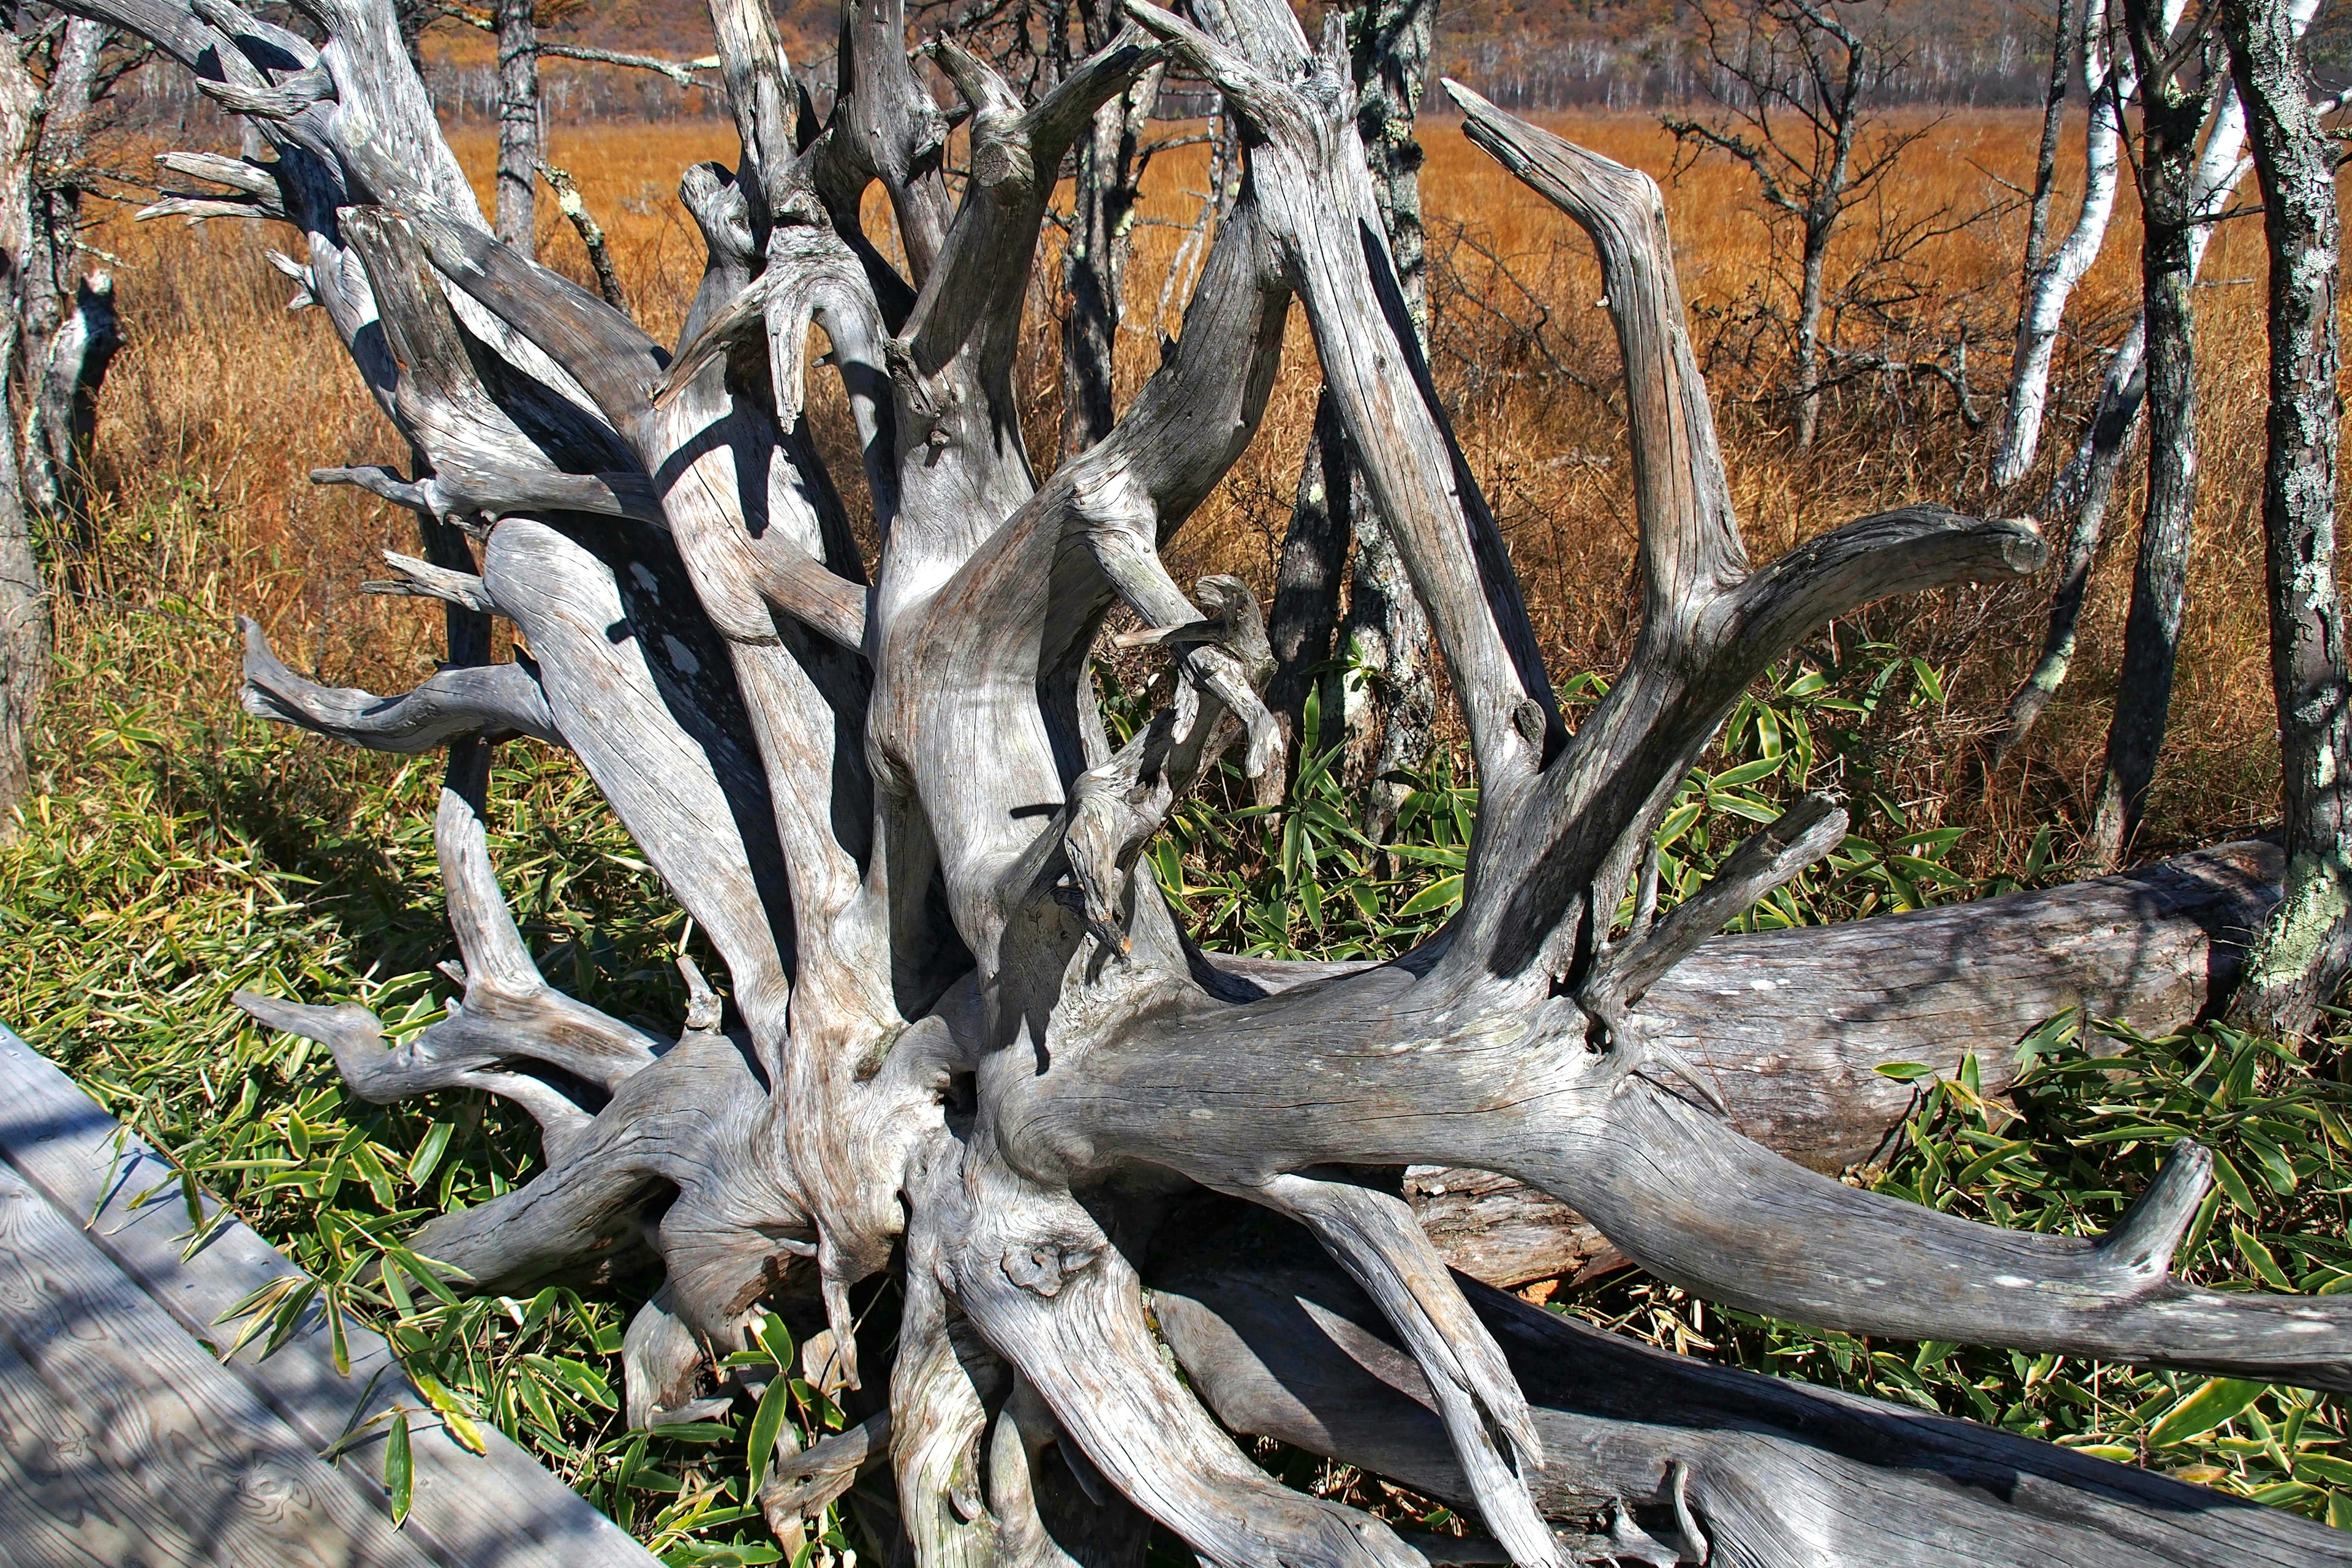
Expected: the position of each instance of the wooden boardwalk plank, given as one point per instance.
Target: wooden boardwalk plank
(500, 1511)
(62, 1505)
(213, 1475)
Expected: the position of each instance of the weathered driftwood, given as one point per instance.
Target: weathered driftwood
(969, 1040)
(2156, 948)
(1780, 1474)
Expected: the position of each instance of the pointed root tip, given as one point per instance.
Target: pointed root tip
(2154, 1227)
(1695, 1540)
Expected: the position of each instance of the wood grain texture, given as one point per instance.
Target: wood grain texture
(1790, 1026)
(215, 1477)
(502, 1511)
(1281, 1344)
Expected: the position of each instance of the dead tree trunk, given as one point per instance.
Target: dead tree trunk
(1385, 638)
(24, 626)
(1796, 83)
(519, 154)
(60, 334)
(1377, 701)
(2305, 951)
(976, 1044)
(2086, 484)
(70, 330)
(2172, 110)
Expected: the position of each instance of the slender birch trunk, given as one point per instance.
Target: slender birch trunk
(2305, 951)
(2171, 112)
(24, 630)
(2108, 84)
(1810, 291)
(518, 156)
(2086, 484)
(2063, 48)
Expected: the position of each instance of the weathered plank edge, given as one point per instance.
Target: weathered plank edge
(501, 1511)
(195, 1443)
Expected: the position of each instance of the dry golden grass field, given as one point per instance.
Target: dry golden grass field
(222, 402)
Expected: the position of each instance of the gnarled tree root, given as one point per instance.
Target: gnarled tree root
(1775, 1474)
(1695, 1203)
(1791, 1025)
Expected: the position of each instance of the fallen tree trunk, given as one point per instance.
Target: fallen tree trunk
(2156, 948)
(1772, 1473)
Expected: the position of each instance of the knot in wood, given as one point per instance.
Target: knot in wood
(1041, 1269)
(1000, 155)
(802, 209)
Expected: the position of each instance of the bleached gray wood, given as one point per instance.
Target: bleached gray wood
(1781, 1474)
(813, 1477)
(135, 1395)
(499, 1511)
(494, 699)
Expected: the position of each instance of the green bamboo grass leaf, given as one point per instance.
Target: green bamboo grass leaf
(534, 1393)
(591, 1385)
(695, 1431)
(429, 1150)
(399, 1468)
(371, 1171)
(1976, 1168)
(1443, 894)
(2215, 1401)
(2321, 1469)
(1763, 767)
(444, 1404)
(2258, 1258)
(776, 1340)
(766, 1423)
(2226, 1172)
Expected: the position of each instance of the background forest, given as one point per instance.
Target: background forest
(170, 850)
